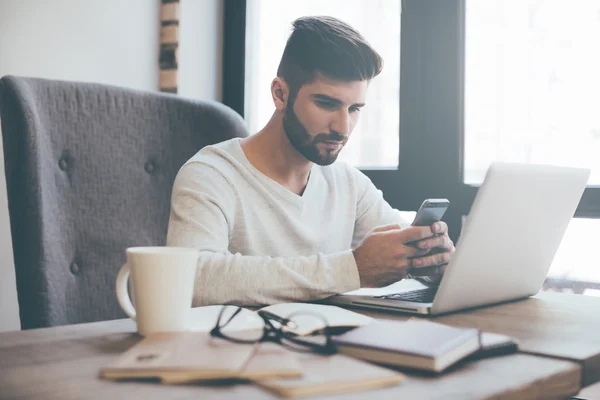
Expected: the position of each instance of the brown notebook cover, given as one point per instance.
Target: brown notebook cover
(196, 356)
(332, 374)
(413, 344)
(267, 361)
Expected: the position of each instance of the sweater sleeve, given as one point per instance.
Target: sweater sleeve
(203, 212)
(372, 210)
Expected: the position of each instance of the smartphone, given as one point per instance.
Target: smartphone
(432, 210)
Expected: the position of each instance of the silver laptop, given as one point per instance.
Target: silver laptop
(507, 244)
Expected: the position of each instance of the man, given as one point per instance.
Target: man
(274, 217)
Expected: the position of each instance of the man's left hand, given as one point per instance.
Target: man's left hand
(430, 267)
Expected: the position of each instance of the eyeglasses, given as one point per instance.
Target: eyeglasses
(279, 330)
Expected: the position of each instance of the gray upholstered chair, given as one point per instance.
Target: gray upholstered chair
(89, 171)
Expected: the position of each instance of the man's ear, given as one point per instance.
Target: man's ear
(280, 92)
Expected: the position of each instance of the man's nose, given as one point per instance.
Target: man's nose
(341, 123)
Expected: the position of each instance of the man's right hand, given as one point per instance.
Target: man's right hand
(382, 256)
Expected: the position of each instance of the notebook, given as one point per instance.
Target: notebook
(204, 318)
(184, 357)
(332, 374)
(492, 344)
(412, 344)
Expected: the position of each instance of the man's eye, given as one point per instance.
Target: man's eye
(328, 106)
(354, 109)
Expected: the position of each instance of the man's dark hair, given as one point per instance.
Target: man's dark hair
(328, 46)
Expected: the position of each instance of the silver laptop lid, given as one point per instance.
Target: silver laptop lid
(511, 235)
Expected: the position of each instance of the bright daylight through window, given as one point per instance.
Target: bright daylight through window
(532, 89)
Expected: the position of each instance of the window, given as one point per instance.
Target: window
(512, 80)
(532, 84)
(576, 261)
(531, 94)
(374, 142)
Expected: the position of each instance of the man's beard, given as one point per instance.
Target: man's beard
(307, 145)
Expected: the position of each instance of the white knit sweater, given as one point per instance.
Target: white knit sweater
(261, 243)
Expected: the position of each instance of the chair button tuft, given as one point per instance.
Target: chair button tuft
(74, 268)
(149, 167)
(63, 164)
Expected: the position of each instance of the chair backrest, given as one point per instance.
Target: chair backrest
(89, 172)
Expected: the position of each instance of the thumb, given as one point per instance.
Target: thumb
(384, 228)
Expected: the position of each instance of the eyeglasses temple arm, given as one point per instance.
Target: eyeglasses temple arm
(269, 315)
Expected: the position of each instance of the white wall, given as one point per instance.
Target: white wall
(9, 307)
(106, 41)
(200, 45)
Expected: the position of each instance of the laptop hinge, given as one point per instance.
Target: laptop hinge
(382, 306)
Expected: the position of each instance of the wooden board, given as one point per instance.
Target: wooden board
(169, 46)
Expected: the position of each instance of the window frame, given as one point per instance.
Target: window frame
(234, 54)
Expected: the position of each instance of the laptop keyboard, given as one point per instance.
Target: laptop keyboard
(416, 296)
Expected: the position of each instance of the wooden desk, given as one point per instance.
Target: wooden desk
(564, 326)
(63, 362)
